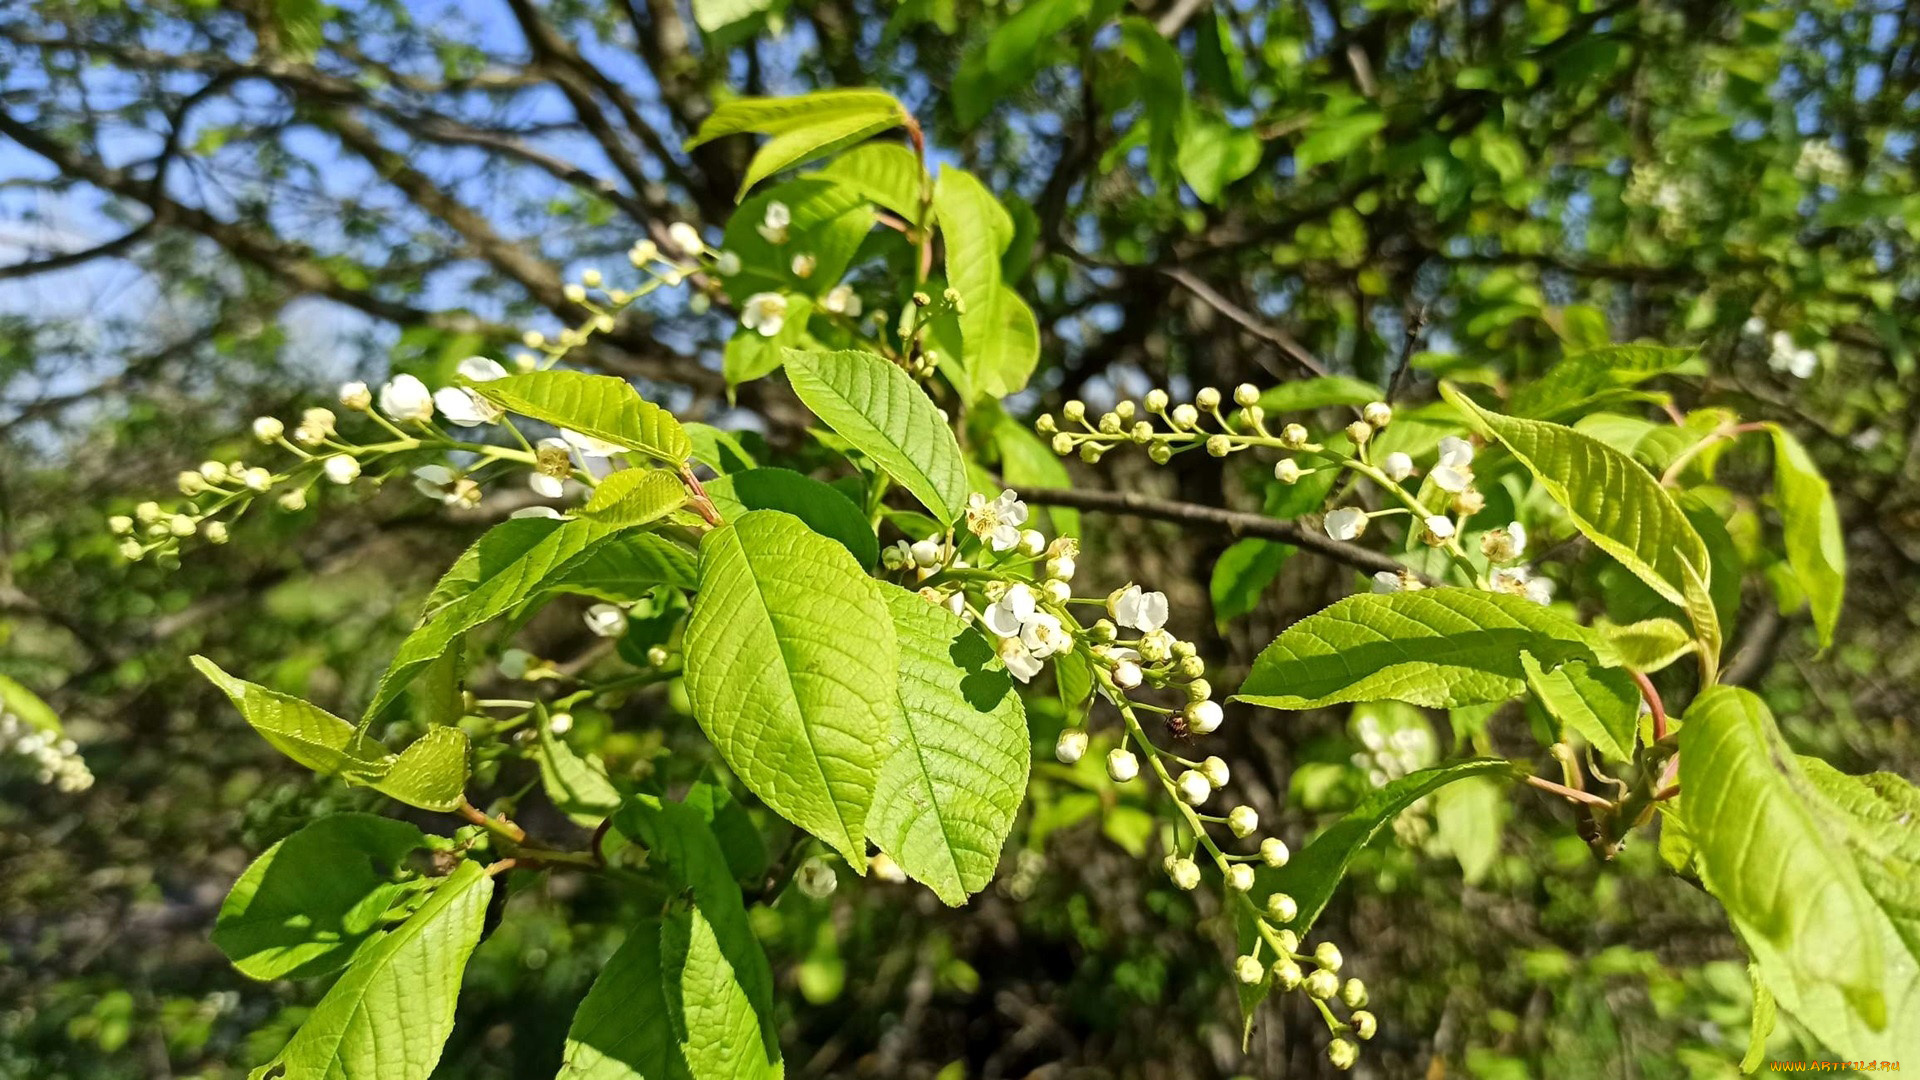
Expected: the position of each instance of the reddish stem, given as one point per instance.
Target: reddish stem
(1566, 792)
(1654, 705)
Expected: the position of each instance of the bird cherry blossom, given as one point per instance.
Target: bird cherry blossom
(997, 521)
(765, 312)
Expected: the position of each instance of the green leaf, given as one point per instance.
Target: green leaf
(827, 219)
(1765, 850)
(306, 733)
(1650, 644)
(1027, 462)
(885, 174)
(1468, 817)
(951, 786)
(1765, 1014)
(17, 700)
(578, 787)
(1579, 376)
(721, 1019)
(388, 1017)
(733, 827)
(879, 409)
(1332, 137)
(1317, 393)
(627, 568)
(600, 406)
(431, 773)
(540, 566)
(1814, 549)
(721, 451)
(303, 907)
(1442, 648)
(1241, 574)
(1602, 704)
(679, 839)
(621, 1030)
(496, 549)
(1617, 504)
(714, 15)
(801, 128)
(1315, 870)
(635, 497)
(791, 671)
(1214, 153)
(820, 506)
(1001, 341)
(1010, 57)
(1162, 91)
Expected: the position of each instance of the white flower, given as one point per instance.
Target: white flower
(1140, 610)
(1346, 523)
(1244, 821)
(1397, 466)
(406, 398)
(355, 395)
(1122, 766)
(1504, 545)
(560, 723)
(341, 469)
(589, 446)
(1273, 852)
(773, 226)
(841, 300)
(1071, 746)
(268, 429)
(1022, 663)
(1520, 581)
(547, 512)
(997, 522)
(1043, 636)
(1754, 326)
(1439, 528)
(1007, 615)
(765, 312)
(547, 487)
(803, 265)
(481, 369)
(1454, 472)
(884, 868)
(1455, 451)
(1803, 364)
(606, 620)
(727, 265)
(1388, 581)
(686, 238)
(1202, 717)
(1194, 788)
(464, 407)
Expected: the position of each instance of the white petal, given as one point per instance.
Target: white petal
(1001, 620)
(547, 487)
(1455, 451)
(590, 446)
(481, 369)
(459, 407)
(1452, 478)
(1386, 581)
(1004, 537)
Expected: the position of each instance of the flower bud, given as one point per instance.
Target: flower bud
(1327, 955)
(257, 478)
(1364, 1024)
(1126, 674)
(1377, 413)
(657, 656)
(1057, 591)
(1281, 907)
(606, 620)
(1244, 821)
(926, 553)
(1109, 423)
(294, 501)
(1359, 431)
(1102, 631)
(1045, 425)
(1246, 394)
(645, 251)
(1090, 453)
(182, 525)
(120, 524)
(1142, 432)
(1071, 746)
(560, 723)
(1032, 542)
(1159, 453)
(1123, 409)
(267, 428)
(1185, 416)
(1354, 993)
(1063, 444)
(1240, 877)
(1293, 435)
(1155, 646)
(1194, 788)
(1156, 400)
(1286, 974)
(1273, 851)
(1075, 411)
(191, 483)
(213, 472)
(1289, 942)
(1323, 984)
(216, 532)
(1061, 567)
(575, 294)
(816, 879)
(341, 469)
(1249, 970)
(1342, 1054)
(1203, 717)
(1215, 770)
(1219, 445)
(1437, 530)
(1287, 471)
(1185, 873)
(1207, 398)
(131, 549)
(1122, 766)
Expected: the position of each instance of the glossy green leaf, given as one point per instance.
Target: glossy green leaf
(1000, 340)
(1318, 392)
(601, 406)
(885, 174)
(1010, 57)
(879, 409)
(306, 733)
(1242, 574)
(431, 773)
(1812, 523)
(821, 506)
(635, 497)
(827, 219)
(1764, 848)
(791, 671)
(801, 128)
(627, 568)
(1214, 153)
(1443, 648)
(305, 905)
(621, 1030)
(1469, 818)
(721, 451)
(1579, 376)
(494, 551)
(957, 772)
(388, 1016)
(1650, 644)
(1602, 704)
(1618, 505)
(17, 700)
(545, 563)
(578, 787)
(720, 1018)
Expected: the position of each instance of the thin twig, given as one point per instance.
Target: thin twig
(1566, 792)
(1265, 331)
(1234, 521)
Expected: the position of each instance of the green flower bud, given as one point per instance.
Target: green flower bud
(1293, 435)
(1219, 445)
(1342, 1053)
(1323, 984)
(1364, 1025)
(1063, 444)
(1045, 425)
(1273, 851)
(1249, 970)
(1240, 877)
(1160, 453)
(1377, 413)
(1207, 398)
(1074, 411)
(1286, 974)
(1244, 821)
(1246, 394)
(1354, 993)
(1156, 400)
(1327, 955)
(1281, 907)
(1124, 410)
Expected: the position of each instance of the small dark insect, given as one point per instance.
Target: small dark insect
(1177, 727)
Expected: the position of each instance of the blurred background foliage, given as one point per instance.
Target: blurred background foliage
(210, 211)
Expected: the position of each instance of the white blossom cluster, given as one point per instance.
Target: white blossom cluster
(1784, 354)
(54, 759)
(766, 312)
